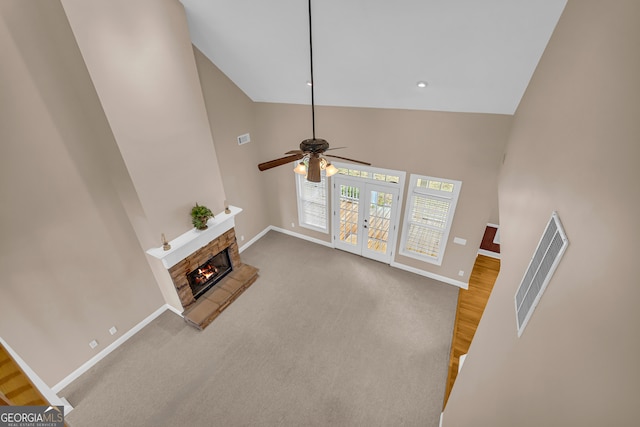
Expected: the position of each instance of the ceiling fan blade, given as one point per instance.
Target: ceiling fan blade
(295, 152)
(279, 162)
(351, 160)
(334, 148)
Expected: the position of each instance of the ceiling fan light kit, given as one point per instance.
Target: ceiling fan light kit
(301, 169)
(311, 152)
(330, 170)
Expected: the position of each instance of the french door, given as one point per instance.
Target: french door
(364, 217)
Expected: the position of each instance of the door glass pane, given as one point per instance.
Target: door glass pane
(349, 201)
(379, 221)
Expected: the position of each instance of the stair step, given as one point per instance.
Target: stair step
(7, 376)
(4, 359)
(18, 391)
(35, 402)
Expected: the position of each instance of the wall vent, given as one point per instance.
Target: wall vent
(243, 139)
(544, 262)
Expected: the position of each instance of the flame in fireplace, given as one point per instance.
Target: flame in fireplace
(208, 271)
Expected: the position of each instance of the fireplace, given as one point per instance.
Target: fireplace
(206, 269)
(206, 275)
(222, 251)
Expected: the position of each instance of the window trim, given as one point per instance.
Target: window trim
(300, 182)
(413, 191)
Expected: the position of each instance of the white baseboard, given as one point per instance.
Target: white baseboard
(175, 310)
(284, 231)
(424, 273)
(255, 239)
(117, 343)
(67, 406)
(437, 277)
(488, 253)
(441, 417)
(430, 275)
(302, 236)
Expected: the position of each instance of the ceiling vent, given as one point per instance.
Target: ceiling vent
(544, 262)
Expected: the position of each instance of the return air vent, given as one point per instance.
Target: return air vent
(544, 262)
(243, 139)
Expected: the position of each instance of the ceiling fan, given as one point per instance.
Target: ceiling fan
(311, 152)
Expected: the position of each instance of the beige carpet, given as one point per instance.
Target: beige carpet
(323, 338)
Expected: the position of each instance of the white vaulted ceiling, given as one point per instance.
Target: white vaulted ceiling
(475, 55)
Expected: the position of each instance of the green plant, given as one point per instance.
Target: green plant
(200, 215)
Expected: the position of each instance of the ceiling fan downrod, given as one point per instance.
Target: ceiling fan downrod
(313, 107)
(311, 153)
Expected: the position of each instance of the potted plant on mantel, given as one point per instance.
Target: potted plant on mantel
(200, 215)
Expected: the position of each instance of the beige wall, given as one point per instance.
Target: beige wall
(461, 146)
(231, 114)
(574, 148)
(70, 263)
(109, 143)
(140, 59)
(466, 147)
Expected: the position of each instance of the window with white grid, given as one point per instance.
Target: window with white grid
(312, 203)
(428, 217)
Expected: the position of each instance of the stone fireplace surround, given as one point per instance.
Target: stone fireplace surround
(180, 271)
(192, 249)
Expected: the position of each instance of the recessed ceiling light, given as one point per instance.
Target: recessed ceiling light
(422, 84)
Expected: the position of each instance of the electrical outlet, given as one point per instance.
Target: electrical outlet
(461, 273)
(93, 344)
(113, 330)
(242, 238)
(293, 225)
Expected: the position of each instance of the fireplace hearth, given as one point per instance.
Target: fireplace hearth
(210, 278)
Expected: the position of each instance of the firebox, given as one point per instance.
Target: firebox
(209, 273)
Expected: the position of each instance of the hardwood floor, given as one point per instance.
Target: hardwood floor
(471, 304)
(15, 387)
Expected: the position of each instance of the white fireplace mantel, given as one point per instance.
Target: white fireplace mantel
(189, 242)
